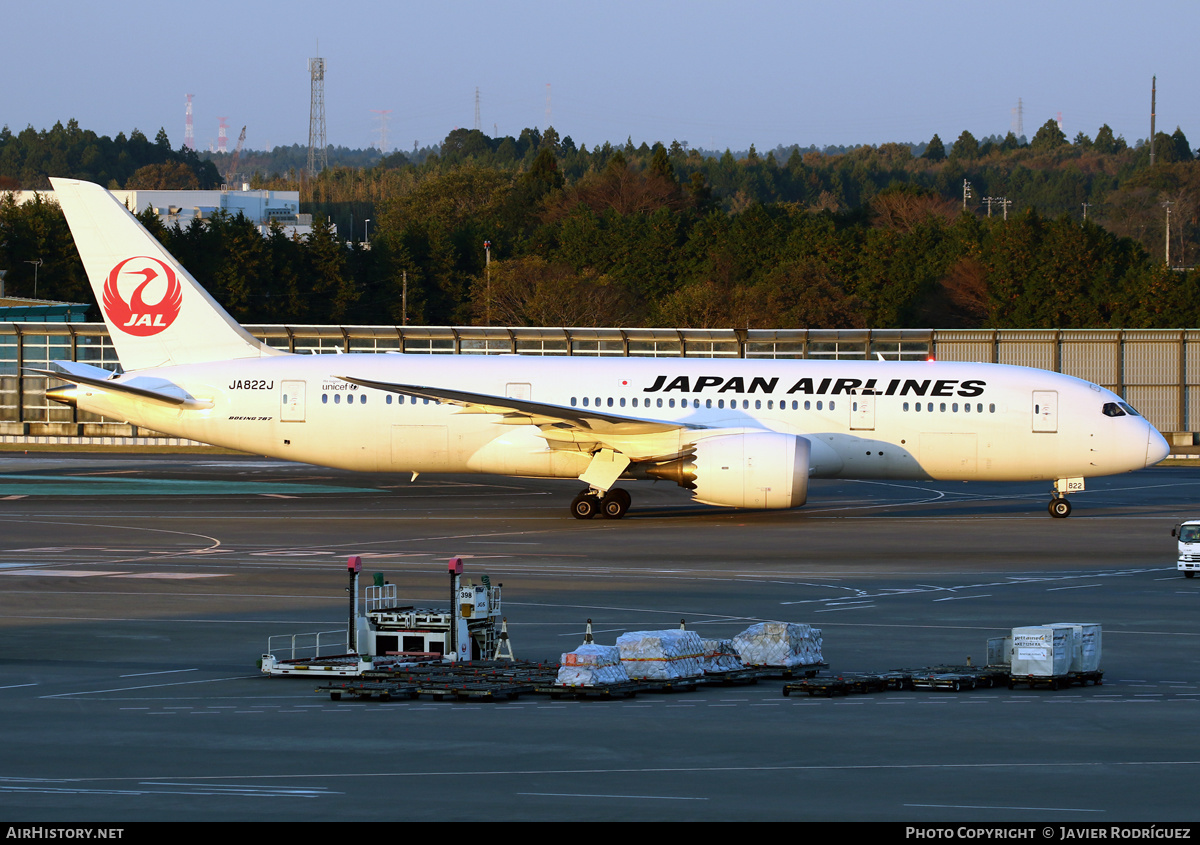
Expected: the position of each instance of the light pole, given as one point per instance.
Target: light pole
(487, 271)
(367, 234)
(36, 264)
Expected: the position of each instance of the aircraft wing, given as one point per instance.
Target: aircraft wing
(524, 412)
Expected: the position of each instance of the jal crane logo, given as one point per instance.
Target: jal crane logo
(135, 315)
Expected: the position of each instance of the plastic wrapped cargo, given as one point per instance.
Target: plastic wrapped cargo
(662, 655)
(721, 656)
(1085, 647)
(1042, 651)
(787, 644)
(591, 665)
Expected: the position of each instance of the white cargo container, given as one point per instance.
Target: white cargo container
(1041, 651)
(1187, 534)
(1085, 645)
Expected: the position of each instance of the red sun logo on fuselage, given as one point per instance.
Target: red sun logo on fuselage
(134, 315)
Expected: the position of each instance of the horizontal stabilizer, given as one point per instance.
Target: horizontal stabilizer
(164, 392)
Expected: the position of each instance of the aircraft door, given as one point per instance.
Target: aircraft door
(1045, 411)
(862, 412)
(292, 402)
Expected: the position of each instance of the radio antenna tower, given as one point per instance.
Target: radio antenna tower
(189, 131)
(222, 137)
(1153, 93)
(1018, 121)
(383, 121)
(477, 108)
(318, 154)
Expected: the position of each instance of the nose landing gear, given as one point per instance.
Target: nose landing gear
(1059, 507)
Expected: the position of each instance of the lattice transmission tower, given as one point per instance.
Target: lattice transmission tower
(189, 129)
(318, 153)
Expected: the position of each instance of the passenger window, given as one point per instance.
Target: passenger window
(757, 404)
(819, 404)
(807, 405)
(831, 404)
(324, 398)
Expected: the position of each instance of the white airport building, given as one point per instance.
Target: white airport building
(262, 208)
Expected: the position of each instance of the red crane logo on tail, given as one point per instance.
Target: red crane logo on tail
(134, 315)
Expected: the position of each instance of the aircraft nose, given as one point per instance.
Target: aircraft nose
(1156, 447)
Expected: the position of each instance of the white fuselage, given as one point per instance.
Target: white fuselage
(865, 419)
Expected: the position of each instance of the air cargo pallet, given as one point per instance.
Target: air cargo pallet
(1057, 681)
(845, 684)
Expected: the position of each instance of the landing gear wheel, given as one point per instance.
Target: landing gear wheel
(1059, 508)
(585, 506)
(615, 502)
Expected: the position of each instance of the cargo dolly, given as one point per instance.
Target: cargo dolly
(1055, 682)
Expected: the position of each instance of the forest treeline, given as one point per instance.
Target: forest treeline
(888, 236)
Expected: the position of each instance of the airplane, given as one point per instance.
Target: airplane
(735, 432)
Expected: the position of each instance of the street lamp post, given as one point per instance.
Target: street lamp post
(367, 234)
(487, 270)
(36, 264)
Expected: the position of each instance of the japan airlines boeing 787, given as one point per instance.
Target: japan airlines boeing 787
(739, 433)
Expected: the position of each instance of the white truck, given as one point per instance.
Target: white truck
(1188, 535)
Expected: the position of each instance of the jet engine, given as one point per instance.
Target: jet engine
(762, 469)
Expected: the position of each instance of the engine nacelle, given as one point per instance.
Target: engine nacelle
(754, 470)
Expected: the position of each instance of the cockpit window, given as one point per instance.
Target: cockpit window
(1113, 409)
(1128, 409)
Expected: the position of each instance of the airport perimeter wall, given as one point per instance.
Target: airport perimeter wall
(1155, 370)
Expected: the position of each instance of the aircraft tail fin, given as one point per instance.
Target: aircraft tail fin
(157, 314)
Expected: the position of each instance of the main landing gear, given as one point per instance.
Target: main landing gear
(612, 504)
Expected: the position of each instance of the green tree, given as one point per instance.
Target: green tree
(1048, 137)
(935, 150)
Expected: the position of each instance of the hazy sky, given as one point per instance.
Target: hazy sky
(713, 74)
